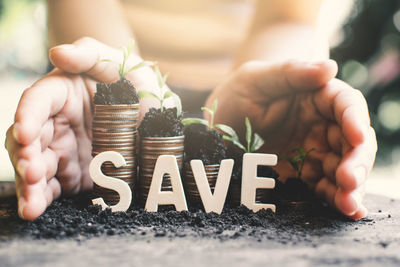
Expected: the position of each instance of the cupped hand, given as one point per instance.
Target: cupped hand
(301, 105)
(49, 143)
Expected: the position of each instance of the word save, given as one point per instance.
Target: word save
(167, 164)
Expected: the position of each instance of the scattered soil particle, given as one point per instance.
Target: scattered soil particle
(206, 145)
(121, 92)
(161, 124)
(76, 218)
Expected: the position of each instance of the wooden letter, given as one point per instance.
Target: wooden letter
(122, 188)
(250, 181)
(166, 164)
(212, 202)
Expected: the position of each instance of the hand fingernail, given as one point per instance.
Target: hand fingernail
(21, 168)
(360, 175)
(21, 206)
(65, 47)
(357, 198)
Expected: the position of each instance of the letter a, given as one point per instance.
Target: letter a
(166, 164)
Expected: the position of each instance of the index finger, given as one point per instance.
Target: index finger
(37, 104)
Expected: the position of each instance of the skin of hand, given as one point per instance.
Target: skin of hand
(297, 104)
(49, 143)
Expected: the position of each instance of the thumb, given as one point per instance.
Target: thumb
(85, 55)
(276, 80)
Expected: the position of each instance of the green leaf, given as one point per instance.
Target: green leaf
(165, 77)
(227, 130)
(140, 65)
(248, 133)
(167, 94)
(211, 112)
(106, 60)
(258, 142)
(178, 104)
(214, 105)
(188, 121)
(160, 78)
(235, 142)
(293, 163)
(146, 94)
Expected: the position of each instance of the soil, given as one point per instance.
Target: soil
(206, 145)
(70, 233)
(161, 124)
(121, 92)
(76, 217)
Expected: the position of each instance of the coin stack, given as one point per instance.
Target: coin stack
(114, 128)
(192, 193)
(151, 148)
(234, 193)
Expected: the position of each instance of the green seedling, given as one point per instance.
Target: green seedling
(297, 162)
(164, 93)
(253, 141)
(123, 69)
(209, 124)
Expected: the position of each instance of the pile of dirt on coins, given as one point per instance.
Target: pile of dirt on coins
(206, 145)
(121, 92)
(75, 218)
(161, 124)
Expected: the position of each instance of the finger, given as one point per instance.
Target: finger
(289, 77)
(356, 164)
(330, 163)
(335, 138)
(360, 213)
(39, 103)
(326, 190)
(86, 55)
(32, 201)
(340, 102)
(349, 203)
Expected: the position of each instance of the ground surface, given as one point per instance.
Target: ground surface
(312, 240)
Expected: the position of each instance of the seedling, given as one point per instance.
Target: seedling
(164, 93)
(297, 162)
(253, 141)
(209, 124)
(123, 69)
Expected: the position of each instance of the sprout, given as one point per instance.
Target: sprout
(163, 94)
(297, 162)
(209, 124)
(254, 141)
(123, 69)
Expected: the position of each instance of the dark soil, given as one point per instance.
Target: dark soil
(75, 217)
(161, 124)
(206, 145)
(121, 92)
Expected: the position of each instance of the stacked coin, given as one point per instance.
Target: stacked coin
(114, 128)
(151, 148)
(234, 193)
(192, 193)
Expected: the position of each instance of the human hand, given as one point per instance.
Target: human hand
(300, 105)
(49, 143)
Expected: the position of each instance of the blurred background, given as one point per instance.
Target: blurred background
(367, 50)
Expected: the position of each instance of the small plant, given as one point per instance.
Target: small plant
(164, 93)
(209, 124)
(297, 162)
(253, 141)
(123, 69)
